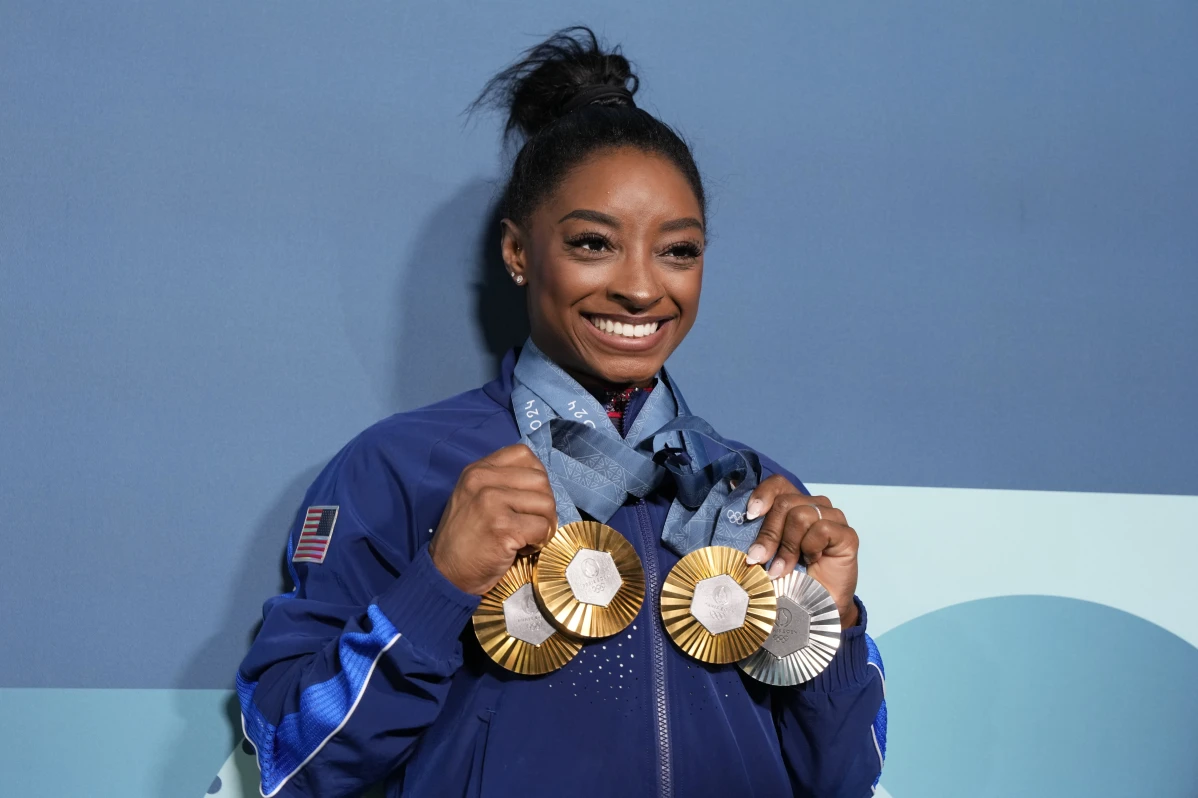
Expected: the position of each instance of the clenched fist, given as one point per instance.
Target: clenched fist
(501, 506)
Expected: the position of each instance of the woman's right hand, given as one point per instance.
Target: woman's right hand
(501, 505)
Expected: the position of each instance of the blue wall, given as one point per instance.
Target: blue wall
(232, 235)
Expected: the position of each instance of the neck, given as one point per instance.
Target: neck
(601, 389)
(596, 386)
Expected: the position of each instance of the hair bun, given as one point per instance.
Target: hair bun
(590, 95)
(565, 72)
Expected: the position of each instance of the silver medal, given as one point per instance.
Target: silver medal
(805, 637)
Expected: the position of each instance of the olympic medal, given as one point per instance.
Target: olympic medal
(589, 580)
(715, 607)
(514, 632)
(805, 637)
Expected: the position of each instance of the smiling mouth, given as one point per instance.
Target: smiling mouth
(619, 329)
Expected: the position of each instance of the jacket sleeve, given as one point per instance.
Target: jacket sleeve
(833, 728)
(355, 663)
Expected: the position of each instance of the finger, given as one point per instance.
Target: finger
(842, 540)
(816, 541)
(770, 535)
(796, 525)
(481, 475)
(822, 539)
(762, 498)
(526, 502)
(518, 454)
(531, 532)
(526, 534)
(820, 505)
(824, 511)
(523, 532)
(518, 478)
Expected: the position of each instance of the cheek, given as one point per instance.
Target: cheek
(554, 291)
(686, 288)
(563, 283)
(686, 292)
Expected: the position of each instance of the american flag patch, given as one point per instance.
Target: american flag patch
(314, 538)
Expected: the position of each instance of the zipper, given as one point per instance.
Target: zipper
(665, 778)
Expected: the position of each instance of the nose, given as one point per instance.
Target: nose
(635, 284)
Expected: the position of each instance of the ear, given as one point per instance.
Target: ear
(514, 251)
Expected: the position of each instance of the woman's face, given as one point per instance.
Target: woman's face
(613, 264)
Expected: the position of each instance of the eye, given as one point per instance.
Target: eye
(684, 250)
(589, 242)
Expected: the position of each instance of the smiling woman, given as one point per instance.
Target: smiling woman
(613, 261)
(371, 669)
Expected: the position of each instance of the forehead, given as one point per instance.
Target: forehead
(625, 182)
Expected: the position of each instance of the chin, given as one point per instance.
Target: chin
(621, 370)
(592, 359)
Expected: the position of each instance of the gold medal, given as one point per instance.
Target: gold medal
(805, 637)
(717, 608)
(589, 580)
(513, 631)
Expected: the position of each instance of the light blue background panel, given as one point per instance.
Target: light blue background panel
(234, 235)
(1035, 695)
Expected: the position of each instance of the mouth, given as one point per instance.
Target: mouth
(628, 332)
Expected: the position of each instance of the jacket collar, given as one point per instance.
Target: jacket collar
(500, 388)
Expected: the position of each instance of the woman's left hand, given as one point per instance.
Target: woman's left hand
(794, 528)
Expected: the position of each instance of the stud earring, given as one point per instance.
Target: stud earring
(519, 278)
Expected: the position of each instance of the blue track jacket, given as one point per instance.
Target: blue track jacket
(369, 669)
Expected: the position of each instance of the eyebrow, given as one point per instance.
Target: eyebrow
(682, 224)
(597, 217)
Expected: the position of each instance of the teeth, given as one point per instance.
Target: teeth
(624, 330)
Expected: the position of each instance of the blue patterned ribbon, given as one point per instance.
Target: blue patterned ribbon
(594, 469)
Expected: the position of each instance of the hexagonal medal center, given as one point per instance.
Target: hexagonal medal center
(523, 617)
(792, 629)
(593, 577)
(720, 604)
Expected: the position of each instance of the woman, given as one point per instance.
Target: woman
(369, 669)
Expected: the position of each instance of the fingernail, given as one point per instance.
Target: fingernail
(755, 508)
(776, 569)
(756, 554)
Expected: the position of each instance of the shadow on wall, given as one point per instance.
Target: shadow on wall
(263, 573)
(457, 300)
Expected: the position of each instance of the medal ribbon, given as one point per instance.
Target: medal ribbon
(594, 469)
